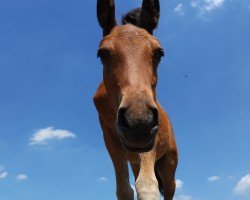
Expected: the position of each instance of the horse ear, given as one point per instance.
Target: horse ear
(106, 15)
(150, 14)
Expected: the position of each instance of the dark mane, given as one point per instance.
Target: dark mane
(132, 17)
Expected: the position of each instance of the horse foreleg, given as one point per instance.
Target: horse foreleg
(146, 183)
(165, 167)
(119, 159)
(135, 169)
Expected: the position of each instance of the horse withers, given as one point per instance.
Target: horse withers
(136, 129)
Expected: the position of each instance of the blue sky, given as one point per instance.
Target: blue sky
(51, 144)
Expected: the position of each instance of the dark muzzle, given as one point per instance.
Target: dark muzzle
(138, 127)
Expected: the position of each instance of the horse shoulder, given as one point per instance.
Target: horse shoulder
(166, 138)
(107, 118)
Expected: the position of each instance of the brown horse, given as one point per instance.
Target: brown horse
(136, 129)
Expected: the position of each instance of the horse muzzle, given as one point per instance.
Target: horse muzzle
(137, 131)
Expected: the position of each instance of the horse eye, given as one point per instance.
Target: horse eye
(159, 53)
(103, 53)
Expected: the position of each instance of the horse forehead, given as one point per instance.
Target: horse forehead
(129, 30)
(129, 35)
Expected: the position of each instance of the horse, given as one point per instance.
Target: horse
(136, 129)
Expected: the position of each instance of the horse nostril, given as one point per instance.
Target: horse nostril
(122, 121)
(127, 120)
(155, 118)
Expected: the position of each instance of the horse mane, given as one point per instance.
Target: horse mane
(132, 17)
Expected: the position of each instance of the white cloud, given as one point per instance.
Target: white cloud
(3, 175)
(179, 184)
(230, 177)
(243, 186)
(21, 177)
(179, 9)
(213, 4)
(213, 178)
(103, 179)
(207, 6)
(183, 197)
(42, 136)
(194, 3)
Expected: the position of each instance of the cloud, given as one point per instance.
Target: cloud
(1, 168)
(103, 179)
(3, 175)
(207, 6)
(21, 177)
(179, 9)
(42, 136)
(179, 184)
(213, 178)
(243, 186)
(230, 177)
(183, 197)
